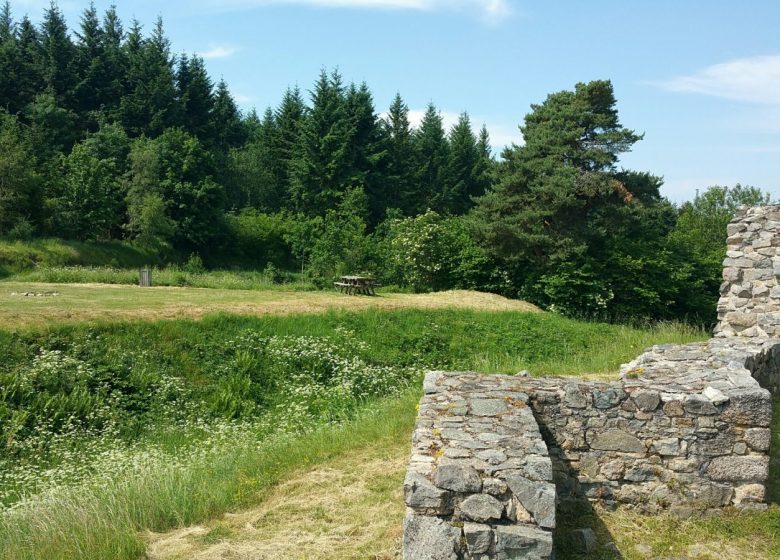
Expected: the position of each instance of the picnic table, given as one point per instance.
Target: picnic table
(356, 285)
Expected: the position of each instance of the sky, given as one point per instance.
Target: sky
(699, 78)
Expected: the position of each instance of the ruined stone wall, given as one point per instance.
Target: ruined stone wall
(685, 429)
(480, 482)
(749, 304)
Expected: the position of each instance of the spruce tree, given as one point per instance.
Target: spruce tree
(321, 170)
(8, 59)
(462, 160)
(28, 64)
(226, 121)
(402, 187)
(288, 120)
(196, 97)
(432, 149)
(58, 52)
(367, 150)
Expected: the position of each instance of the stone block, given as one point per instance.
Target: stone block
(749, 468)
(615, 440)
(519, 542)
(479, 538)
(430, 538)
(481, 508)
(458, 478)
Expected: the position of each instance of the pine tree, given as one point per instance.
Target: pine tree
(432, 148)
(463, 157)
(8, 59)
(288, 120)
(90, 65)
(367, 150)
(196, 97)
(150, 105)
(229, 129)
(321, 170)
(28, 74)
(401, 190)
(114, 67)
(58, 57)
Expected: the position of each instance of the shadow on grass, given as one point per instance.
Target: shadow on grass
(574, 514)
(773, 484)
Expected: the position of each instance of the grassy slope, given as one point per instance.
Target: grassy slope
(17, 256)
(104, 522)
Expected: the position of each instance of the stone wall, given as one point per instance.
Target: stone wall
(749, 303)
(685, 429)
(480, 482)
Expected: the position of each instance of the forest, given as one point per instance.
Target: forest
(107, 135)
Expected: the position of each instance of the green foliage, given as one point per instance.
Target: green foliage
(19, 182)
(429, 252)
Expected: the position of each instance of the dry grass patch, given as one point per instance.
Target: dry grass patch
(94, 302)
(350, 508)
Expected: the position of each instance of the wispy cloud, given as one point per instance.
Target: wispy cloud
(490, 11)
(753, 80)
(219, 51)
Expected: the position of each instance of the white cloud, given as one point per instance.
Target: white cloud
(219, 51)
(490, 11)
(753, 80)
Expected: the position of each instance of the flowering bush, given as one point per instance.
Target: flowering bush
(80, 410)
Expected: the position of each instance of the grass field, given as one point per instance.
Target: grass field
(276, 425)
(108, 302)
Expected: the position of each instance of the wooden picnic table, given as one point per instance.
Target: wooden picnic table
(356, 285)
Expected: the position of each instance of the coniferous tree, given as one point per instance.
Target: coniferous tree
(58, 62)
(288, 120)
(401, 191)
(321, 169)
(19, 181)
(196, 96)
(463, 157)
(367, 150)
(8, 59)
(28, 75)
(226, 121)
(432, 150)
(150, 105)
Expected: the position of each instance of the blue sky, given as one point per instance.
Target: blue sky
(700, 78)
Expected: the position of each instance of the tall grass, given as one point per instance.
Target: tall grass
(103, 521)
(169, 475)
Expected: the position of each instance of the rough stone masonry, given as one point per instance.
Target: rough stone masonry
(685, 428)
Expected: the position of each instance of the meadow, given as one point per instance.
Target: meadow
(122, 436)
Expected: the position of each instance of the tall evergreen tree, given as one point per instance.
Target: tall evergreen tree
(367, 150)
(463, 158)
(432, 150)
(28, 64)
(288, 120)
(58, 52)
(8, 59)
(321, 169)
(196, 96)
(226, 121)
(151, 104)
(401, 189)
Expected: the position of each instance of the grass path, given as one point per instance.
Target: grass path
(96, 302)
(351, 508)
